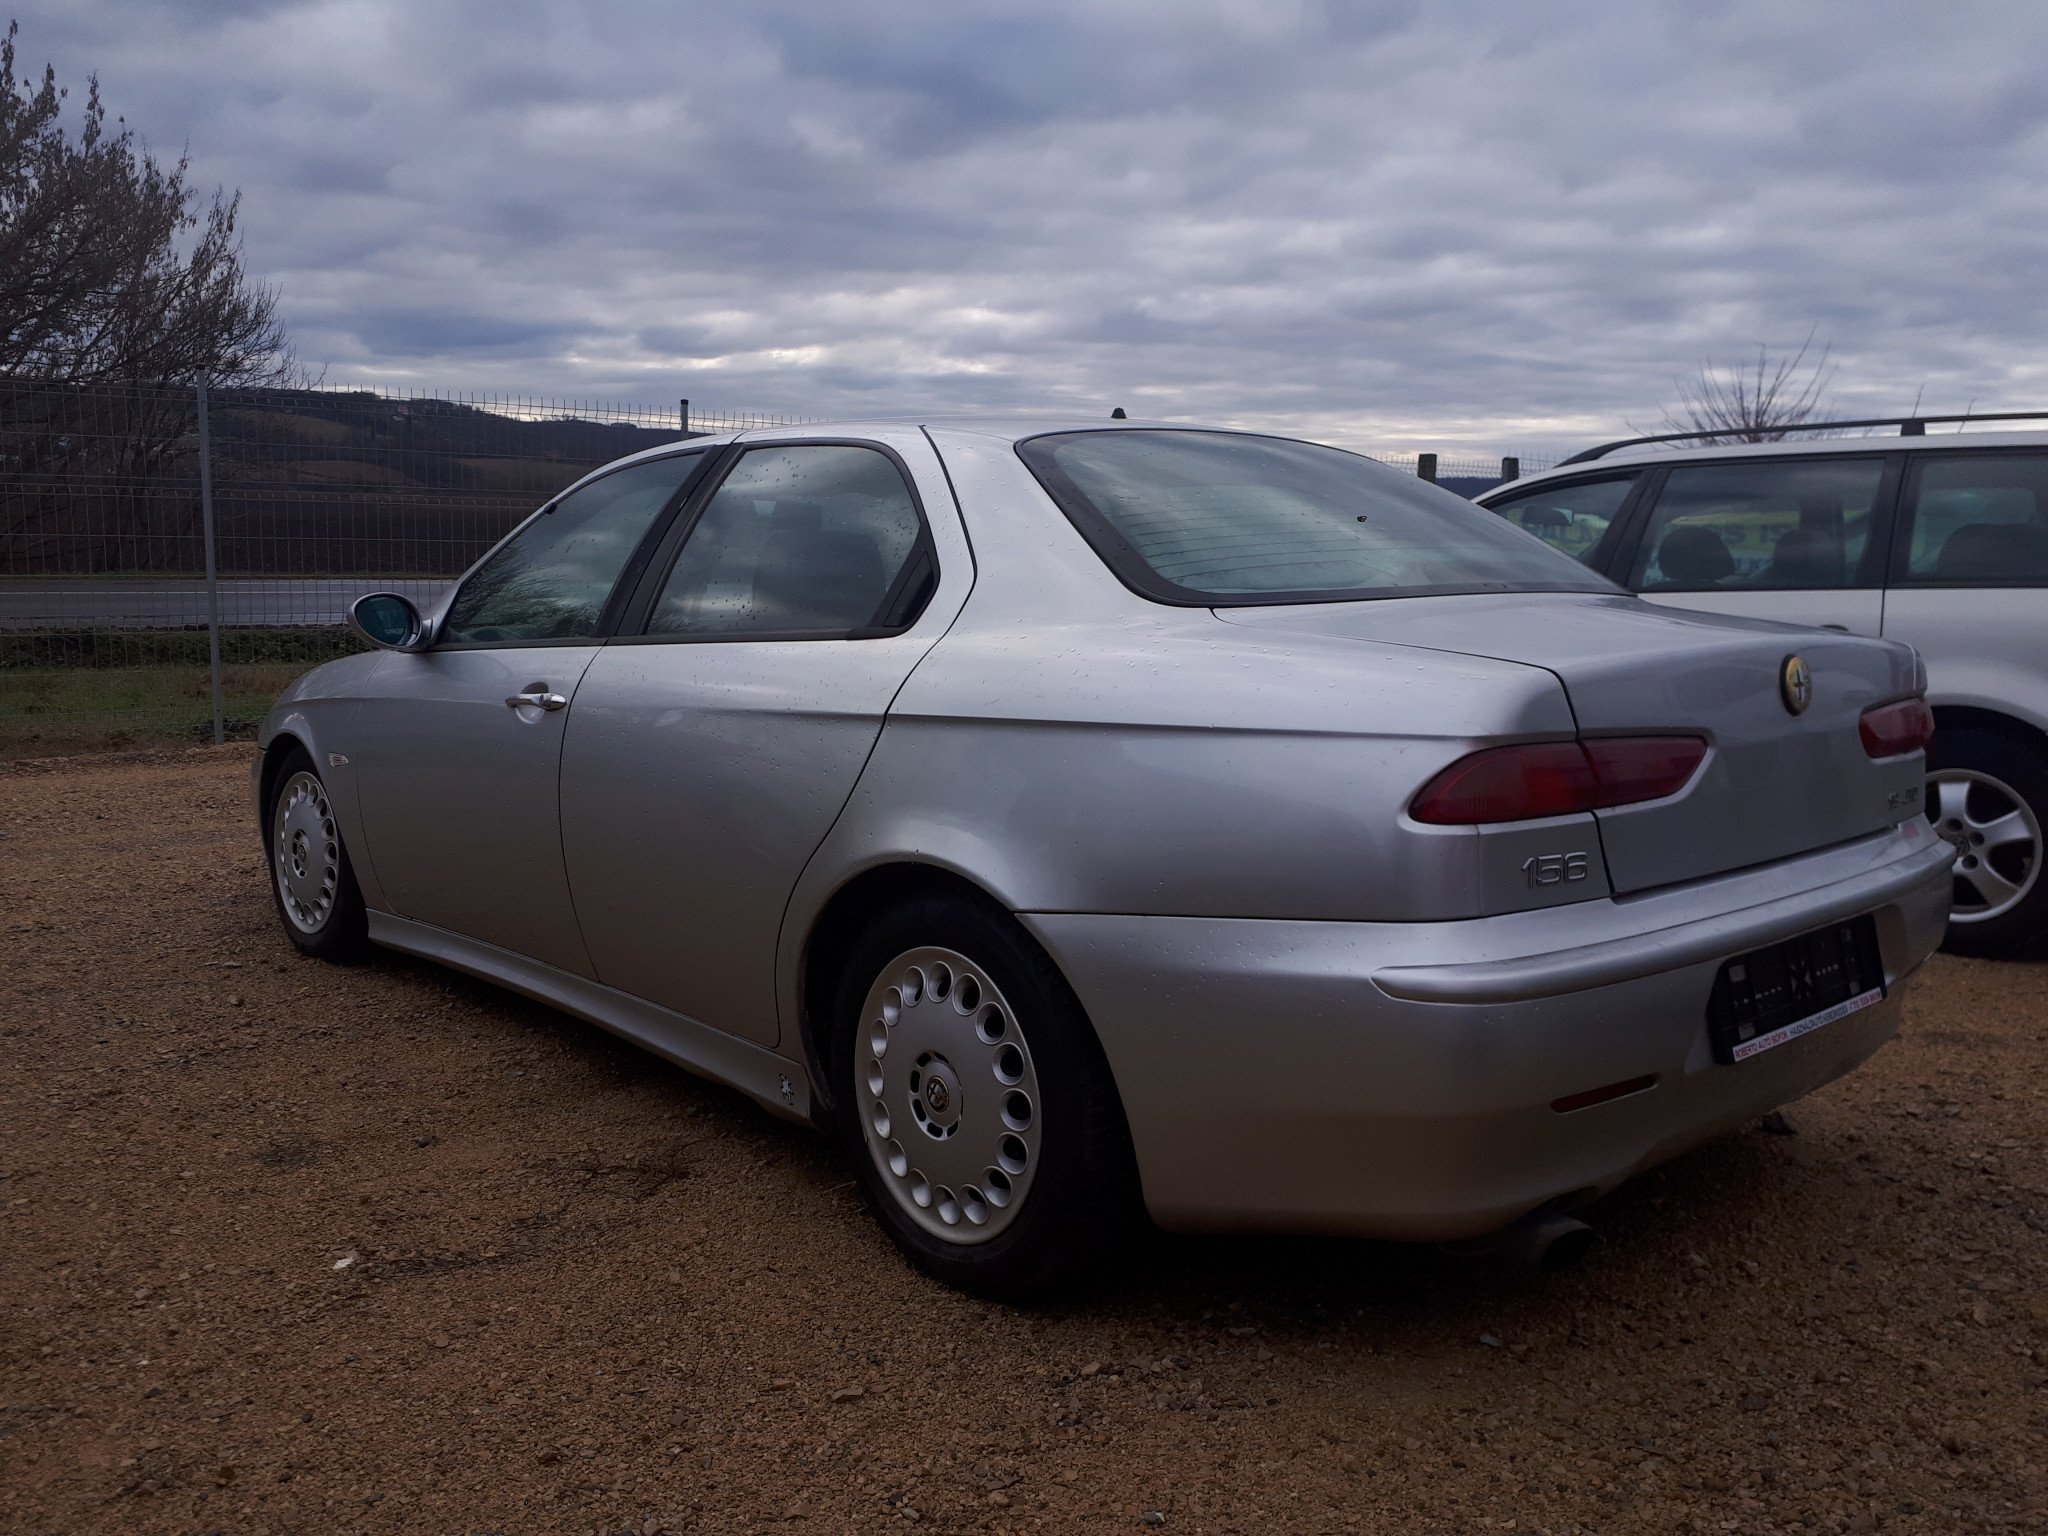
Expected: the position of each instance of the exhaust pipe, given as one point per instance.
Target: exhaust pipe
(1545, 1239)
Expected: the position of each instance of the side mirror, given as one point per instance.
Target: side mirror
(387, 620)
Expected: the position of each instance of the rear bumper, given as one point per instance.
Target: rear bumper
(1395, 1079)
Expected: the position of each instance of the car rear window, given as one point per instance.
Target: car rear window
(1226, 517)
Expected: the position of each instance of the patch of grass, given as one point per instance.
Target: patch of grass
(56, 711)
(128, 649)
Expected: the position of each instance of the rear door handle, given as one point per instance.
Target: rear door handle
(536, 697)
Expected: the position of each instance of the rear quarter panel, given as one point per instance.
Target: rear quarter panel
(1070, 746)
(1182, 771)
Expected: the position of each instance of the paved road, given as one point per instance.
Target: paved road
(282, 602)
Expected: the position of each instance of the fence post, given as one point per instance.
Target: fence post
(212, 565)
(686, 418)
(1425, 467)
(1510, 469)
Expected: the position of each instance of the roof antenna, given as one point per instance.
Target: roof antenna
(1117, 414)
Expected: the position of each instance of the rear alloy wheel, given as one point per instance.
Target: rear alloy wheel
(310, 876)
(975, 1104)
(1988, 795)
(950, 1110)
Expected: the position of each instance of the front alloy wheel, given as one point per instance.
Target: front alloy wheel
(311, 879)
(305, 851)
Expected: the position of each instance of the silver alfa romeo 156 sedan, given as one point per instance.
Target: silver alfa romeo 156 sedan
(1088, 819)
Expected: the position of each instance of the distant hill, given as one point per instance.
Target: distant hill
(314, 481)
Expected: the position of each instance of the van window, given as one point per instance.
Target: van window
(1568, 517)
(1771, 525)
(1978, 519)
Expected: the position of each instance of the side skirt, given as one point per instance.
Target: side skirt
(776, 1083)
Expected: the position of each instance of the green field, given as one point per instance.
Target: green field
(58, 711)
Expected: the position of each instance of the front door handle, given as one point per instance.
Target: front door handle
(1840, 629)
(537, 697)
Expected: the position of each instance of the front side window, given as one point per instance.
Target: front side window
(811, 539)
(1567, 517)
(1776, 525)
(552, 581)
(1224, 517)
(1978, 519)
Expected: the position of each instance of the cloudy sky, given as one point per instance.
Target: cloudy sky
(1482, 224)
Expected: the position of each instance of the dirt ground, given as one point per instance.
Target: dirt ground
(287, 1247)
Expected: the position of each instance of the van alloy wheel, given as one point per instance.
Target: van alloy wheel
(1997, 837)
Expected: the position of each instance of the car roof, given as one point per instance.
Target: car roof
(1009, 426)
(1636, 457)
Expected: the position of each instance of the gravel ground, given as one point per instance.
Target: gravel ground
(289, 1247)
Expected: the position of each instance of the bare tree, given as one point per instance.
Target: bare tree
(106, 271)
(117, 293)
(1755, 403)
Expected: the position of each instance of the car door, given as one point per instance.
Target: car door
(1969, 571)
(458, 749)
(1970, 592)
(1800, 540)
(709, 753)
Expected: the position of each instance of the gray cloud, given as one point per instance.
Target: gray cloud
(1395, 226)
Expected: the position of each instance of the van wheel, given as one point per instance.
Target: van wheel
(1988, 795)
(975, 1104)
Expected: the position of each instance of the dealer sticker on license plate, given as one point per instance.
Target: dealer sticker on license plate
(1774, 995)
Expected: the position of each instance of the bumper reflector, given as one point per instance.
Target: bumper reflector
(1592, 1096)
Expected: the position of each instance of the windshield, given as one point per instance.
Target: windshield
(1226, 517)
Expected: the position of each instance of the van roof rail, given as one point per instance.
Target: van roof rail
(1909, 426)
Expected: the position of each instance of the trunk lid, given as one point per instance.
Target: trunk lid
(1774, 784)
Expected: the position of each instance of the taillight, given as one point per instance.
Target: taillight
(1633, 768)
(1892, 730)
(1544, 778)
(1557, 778)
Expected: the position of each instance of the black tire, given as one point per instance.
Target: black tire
(340, 931)
(2017, 775)
(1081, 1201)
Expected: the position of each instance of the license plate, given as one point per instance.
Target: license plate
(1771, 996)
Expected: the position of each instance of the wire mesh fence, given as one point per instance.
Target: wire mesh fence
(112, 594)
(1465, 473)
(135, 607)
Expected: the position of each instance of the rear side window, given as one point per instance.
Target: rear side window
(1231, 518)
(551, 581)
(1978, 519)
(1772, 526)
(1571, 517)
(807, 539)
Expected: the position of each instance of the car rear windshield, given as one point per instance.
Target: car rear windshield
(1234, 518)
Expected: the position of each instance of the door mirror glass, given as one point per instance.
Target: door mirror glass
(388, 620)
